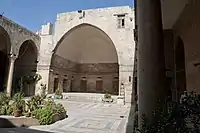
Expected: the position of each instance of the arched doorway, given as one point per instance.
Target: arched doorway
(4, 63)
(88, 56)
(25, 67)
(180, 68)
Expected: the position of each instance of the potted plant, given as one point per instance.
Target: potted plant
(18, 104)
(58, 94)
(107, 98)
(17, 111)
(61, 111)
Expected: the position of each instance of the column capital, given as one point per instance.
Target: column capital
(12, 57)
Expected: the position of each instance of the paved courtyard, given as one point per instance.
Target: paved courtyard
(91, 118)
(86, 117)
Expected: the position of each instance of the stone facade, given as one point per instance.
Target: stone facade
(106, 21)
(13, 37)
(18, 35)
(96, 45)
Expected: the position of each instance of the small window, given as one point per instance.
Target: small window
(121, 21)
(123, 24)
(129, 78)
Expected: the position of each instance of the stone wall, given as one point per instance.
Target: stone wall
(66, 69)
(105, 19)
(188, 28)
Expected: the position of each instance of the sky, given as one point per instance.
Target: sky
(33, 13)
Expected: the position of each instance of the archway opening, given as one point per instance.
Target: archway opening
(4, 62)
(26, 68)
(85, 60)
(180, 68)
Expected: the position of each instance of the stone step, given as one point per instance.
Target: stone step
(85, 97)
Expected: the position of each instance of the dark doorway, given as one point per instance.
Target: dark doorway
(115, 86)
(65, 85)
(3, 70)
(99, 85)
(180, 68)
(83, 85)
(55, 87)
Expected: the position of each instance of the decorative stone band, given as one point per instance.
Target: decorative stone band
(126, 68)
(43, 67)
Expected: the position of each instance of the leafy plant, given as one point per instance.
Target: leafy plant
(43, 87)
(107, 96)
(60, 109)
(19, 102)
(58, 92)
(4, 99)
(34, 103)
(45, 115)
(175, 117)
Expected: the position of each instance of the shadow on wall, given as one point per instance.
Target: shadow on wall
(131, 117)
(7, 127)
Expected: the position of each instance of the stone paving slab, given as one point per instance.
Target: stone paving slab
(90, 118)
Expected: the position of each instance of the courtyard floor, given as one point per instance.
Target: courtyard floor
(85, 117)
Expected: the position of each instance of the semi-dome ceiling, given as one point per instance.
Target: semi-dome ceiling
(87, 44)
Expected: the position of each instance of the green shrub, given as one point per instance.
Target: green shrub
(43, 87)
(44, 115)
(19, 102)
(4, 99)
(107, 96)
(58, 92)
(175, 117)
(60, 109)
(9, 110)
(34, 103)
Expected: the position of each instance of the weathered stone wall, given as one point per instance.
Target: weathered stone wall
(188, 28)
(18, 35)
(65, 69)
(105, 19)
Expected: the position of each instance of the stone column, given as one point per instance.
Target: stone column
(151, 70)
(12, 59)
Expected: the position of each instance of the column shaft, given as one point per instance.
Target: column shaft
(10, 75)
(151, 67)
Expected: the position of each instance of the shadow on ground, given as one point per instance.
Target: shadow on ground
(132, 113)
(7, 127)
(130, 124)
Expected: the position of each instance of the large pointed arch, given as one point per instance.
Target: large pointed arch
(25, 65)
(86, 56)
(82, 26)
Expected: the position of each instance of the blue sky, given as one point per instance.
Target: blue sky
(33, 13)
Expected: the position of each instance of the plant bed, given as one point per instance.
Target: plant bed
(46, 111)
(55, 117)
(17, 113)
(62, 115)
(107, 98)
(174, 117)
(50, 113)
